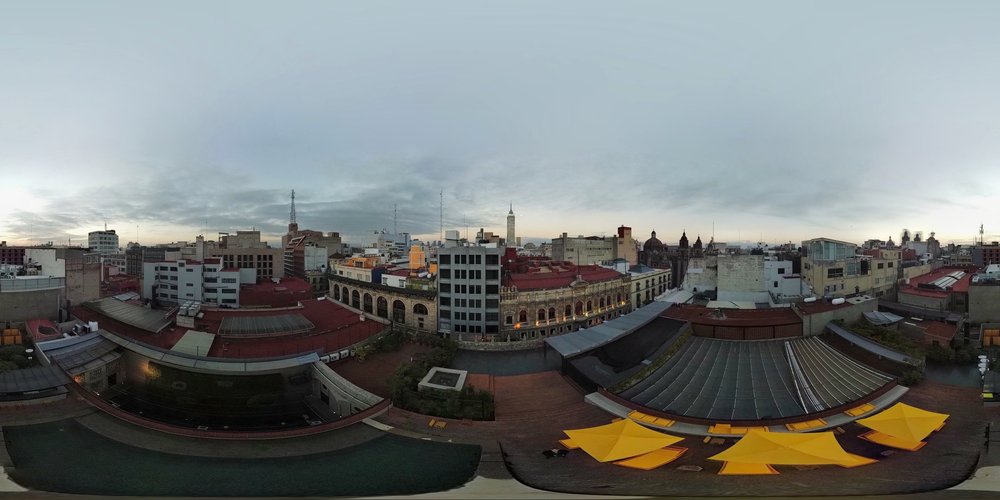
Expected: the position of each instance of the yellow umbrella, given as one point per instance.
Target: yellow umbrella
(787, 448)
(905, 422)
(618, 440)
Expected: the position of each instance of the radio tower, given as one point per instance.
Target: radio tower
(292, 225)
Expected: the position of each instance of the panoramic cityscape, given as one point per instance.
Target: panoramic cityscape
(477, 250)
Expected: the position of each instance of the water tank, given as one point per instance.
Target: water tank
(838, 301)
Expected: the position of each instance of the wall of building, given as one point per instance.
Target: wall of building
(83, 277)
(644, 287)
(561, 310)
(932, 303)
(702, 274)
(814, 324)
(583, 250)
(416, 310)
(984, 303)
(24, 304)
(741, 273)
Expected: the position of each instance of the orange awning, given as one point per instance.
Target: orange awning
(619, 440)
(781, 448)
(905, 422)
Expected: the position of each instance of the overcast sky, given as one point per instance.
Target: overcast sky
(774, 120)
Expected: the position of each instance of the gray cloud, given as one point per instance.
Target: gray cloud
(783, 118)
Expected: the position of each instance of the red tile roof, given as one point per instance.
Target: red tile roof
(34, 327)
(559, 275)
(335, 328)
(267, 293)
(961, 286)
(939, 330)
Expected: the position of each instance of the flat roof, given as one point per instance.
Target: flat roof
(580, 341)
(130, 314)
(194, 343)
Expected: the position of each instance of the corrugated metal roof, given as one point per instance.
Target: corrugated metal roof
(872, 346)
(882, 318)
(572, 344)
(36, 378)
(132, 315)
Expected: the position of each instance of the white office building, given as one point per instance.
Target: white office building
(103, 242)
(190, 280)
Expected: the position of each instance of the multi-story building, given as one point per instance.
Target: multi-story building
(645, 283)
(625, 246)
(583, 250)
(189, 280)
(11, 255)
(468, 288)
(80, 268)
(542, 298)
(136, 255)
(357, 268)
(244, 250)
(835, 268)
(984, 255)
(103, 242)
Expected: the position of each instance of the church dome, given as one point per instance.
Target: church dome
(697, 243)
(684, 240)
(652, 243)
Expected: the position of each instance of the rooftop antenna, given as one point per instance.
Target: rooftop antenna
(291, 215)
(441, 215)
(394, 230)
(981, 234)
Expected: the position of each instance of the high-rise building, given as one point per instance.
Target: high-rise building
(103, 242)
(468, 287)
(511, 240)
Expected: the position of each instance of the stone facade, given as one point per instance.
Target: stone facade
(527, 315)
(415, 309)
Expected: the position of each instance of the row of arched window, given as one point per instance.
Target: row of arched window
(378, 306)
(569, 310)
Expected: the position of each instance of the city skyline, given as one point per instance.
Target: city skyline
(776, 121)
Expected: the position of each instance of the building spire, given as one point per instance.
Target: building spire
(511, 209)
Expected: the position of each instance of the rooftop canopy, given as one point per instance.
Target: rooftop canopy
(786, 448)
(132, 315)
(618, 440)
(905, 422)
(578, 342)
